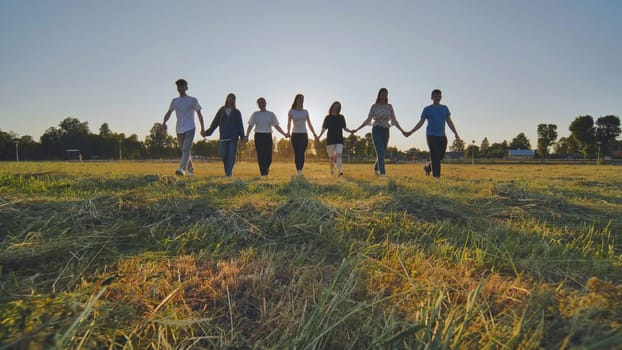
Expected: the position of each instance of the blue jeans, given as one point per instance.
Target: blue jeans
(380, 136)
(185, 142)
(228, 152)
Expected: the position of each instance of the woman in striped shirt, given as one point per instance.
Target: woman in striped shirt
(381, 117)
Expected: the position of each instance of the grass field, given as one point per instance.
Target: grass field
(128, 256)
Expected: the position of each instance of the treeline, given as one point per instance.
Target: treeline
(73, 139)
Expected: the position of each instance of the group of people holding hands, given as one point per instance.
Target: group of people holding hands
(228, 120)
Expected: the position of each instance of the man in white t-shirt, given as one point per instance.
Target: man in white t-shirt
(184, 107)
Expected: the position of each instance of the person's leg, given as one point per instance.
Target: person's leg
(268, 148)
(232, 153)
(380, 136)
(296, 141)
(305, 143)
(185, 143)
(434, 144)
(299, 142)
(224, 149)
(339, 157)
(263, 144)
(330, 150)
(188, 140)
(258, 149)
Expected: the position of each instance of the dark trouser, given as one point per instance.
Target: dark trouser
(263, 145)
(380, 136)
(437, 146)
(299, 142)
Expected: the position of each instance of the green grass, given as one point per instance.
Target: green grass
(128, 256)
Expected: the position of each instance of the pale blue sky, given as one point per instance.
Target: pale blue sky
(504, 66)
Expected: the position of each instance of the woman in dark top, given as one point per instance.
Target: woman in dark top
(228, 120)
(334, 123)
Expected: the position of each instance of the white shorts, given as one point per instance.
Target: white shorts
(332, 148)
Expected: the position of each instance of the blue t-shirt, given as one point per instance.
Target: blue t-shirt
(437, 117)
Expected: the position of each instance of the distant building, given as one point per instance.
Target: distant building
(521, 154)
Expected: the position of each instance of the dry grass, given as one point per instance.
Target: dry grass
(124, 255)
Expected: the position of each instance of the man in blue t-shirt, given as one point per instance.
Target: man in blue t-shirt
(437, 116)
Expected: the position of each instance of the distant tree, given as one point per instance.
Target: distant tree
(29, 149)
(520, 142)
(104, 130)
(51, 144)
(133, 148)
(7, 145)
(483, 148)
(284, 149)
(582, 132)
(207, 148)
(457, 146)
(72, 126)
(564, 147)
(159, 143)
(498, 150)
(607, 130)
(369, 151)
(547, 134)
(471, 151)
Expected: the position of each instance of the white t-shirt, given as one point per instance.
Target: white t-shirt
(184, 107)
(263, 121)
(299, 117)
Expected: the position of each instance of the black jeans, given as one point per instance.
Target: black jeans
(300, 142)
(437, 146)
(263, 145)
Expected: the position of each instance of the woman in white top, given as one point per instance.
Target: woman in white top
(383, 117)
(299, 117)
(263, 121)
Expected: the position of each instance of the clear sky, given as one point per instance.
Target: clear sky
(504, 66)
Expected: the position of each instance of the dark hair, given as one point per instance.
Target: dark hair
(381, 91)
(226, 99)
(436, 91)
(295, 98)
(260, 98)
(333, 105)
(181, 82)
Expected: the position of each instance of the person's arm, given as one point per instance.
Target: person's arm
(450, 123)
(321, 133)
(277, 127)
(289, 122)
(344, 125)
(248, 131)
(366, 121)
(201, 122)
(214, 124)
(240, 125)
(311, 127)
(395, 122)
(419, 124)
(167, 116)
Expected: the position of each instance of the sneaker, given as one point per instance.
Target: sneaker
(383, 175)
(376, 173)
(179, 172)
(340, 174)
(189, 173)
(299, 173)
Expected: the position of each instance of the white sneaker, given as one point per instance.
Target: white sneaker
(189, 173)
(299, 172)
(180, 172)
(376, 172)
